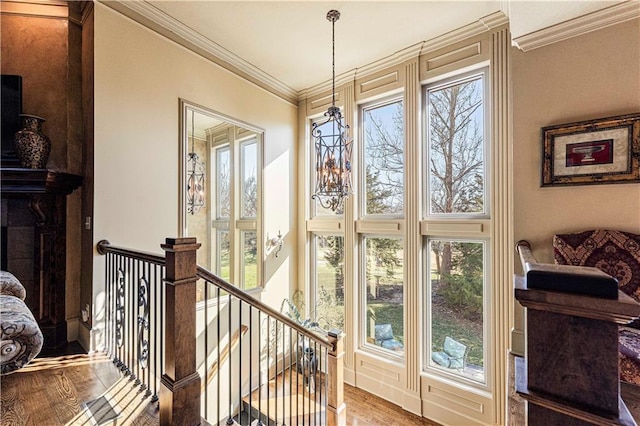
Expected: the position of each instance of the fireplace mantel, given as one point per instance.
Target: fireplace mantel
(38, 181)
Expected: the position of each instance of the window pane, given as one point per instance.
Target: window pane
(249, 158)
(223, 254)
(329, 282)
(384, 293)
(223, 182)
(456, 148)
(384, 159)
(457, 292)
(327, 131)
(249, 265)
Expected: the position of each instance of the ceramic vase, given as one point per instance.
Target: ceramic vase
(32, 146)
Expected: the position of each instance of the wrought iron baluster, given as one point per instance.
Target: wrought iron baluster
(259, 368)
(251, 328)
(143, 324)
(218, 349)
(206, 349)
(268, 353)
(230, 357)
(240, 404)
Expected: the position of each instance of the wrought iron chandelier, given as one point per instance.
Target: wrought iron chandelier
(333, 149)
(195, 175)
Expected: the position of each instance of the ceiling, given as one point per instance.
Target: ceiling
(290, 41)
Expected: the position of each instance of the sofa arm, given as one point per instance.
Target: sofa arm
(20, 336)
(11, 286)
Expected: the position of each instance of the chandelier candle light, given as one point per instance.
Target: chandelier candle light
(333, 149)
(195, 175)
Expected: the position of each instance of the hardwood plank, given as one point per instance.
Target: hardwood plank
(12, 409)
(365, 409)
(51, 391)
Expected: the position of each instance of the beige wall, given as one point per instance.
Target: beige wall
(592, 76)
(139, 77)
(587, 77)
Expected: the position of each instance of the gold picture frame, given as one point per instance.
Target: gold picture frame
(600, 151)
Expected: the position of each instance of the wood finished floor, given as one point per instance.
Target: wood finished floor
(50, 392)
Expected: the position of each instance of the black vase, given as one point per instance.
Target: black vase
(32, 146)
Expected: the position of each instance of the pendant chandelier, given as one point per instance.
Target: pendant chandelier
(332, 146)
(195, 175)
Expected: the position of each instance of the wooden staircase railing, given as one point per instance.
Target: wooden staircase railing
(158, 333)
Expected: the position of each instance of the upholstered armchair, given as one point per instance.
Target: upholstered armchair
(20, 336)
(618, 254)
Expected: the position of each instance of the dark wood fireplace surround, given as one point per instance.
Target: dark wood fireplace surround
(34, 211)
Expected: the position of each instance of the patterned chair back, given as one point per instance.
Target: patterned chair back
(615, 252)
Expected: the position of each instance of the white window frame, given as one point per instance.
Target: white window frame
(362, 198)
(235, 224)
(458, 227)
(483, 72)
(376, 226)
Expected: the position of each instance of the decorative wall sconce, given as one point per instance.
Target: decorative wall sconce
(333, 150)
(275, 243)
(195, 176)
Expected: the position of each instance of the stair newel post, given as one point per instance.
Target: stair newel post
(180, 383)
(336, 409)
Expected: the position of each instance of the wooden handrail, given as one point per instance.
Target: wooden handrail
(105, 247)
(523, 248)
(236, 292)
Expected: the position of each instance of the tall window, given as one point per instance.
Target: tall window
(235, 177)
(222, 203)
(457, 256)
(383, 135)
(328, 281)
(382, 204)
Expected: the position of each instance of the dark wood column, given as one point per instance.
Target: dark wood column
(569, 375)
(180, 383)
(34, 204)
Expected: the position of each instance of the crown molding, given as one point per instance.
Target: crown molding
(578, 26)
(483, 24)
(153, 18)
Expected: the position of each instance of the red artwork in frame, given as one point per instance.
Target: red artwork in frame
(590, 153)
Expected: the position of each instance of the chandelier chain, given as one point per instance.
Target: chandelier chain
(333, 62)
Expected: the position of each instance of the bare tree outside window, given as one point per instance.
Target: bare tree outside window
(456, 187)
(384, 159)
(456, 155)
(456, 148)
(250, 182)
(223, 182)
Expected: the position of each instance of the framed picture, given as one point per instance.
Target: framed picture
(606, 150)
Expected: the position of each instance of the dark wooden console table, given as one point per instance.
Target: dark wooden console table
(569, 375)
(34, 216)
